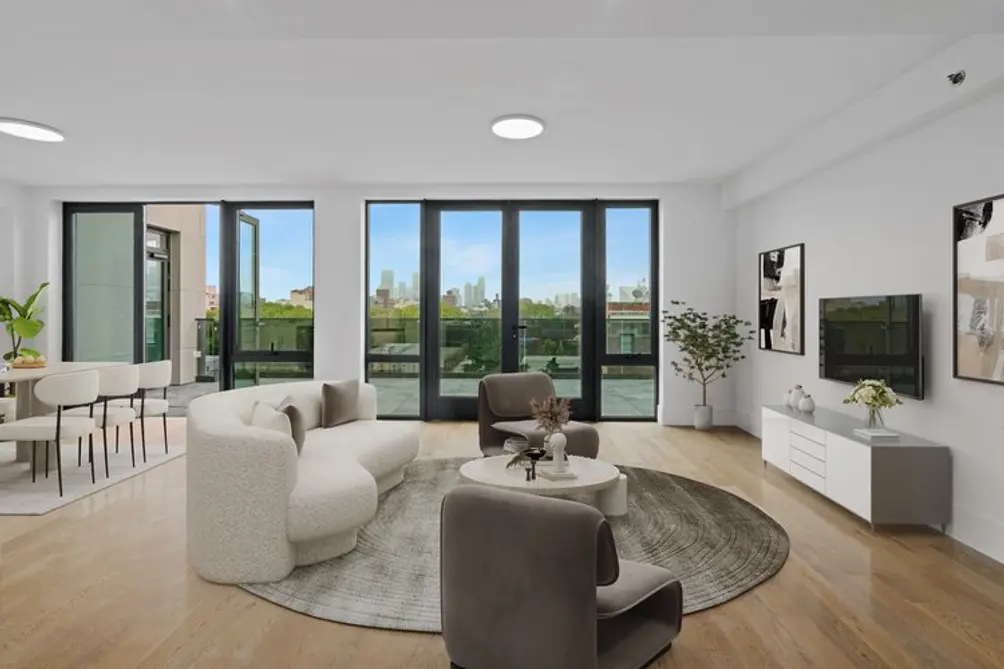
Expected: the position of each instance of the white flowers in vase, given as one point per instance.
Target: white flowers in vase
(874, 395)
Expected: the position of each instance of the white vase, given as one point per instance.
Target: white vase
(703, 417)
(556, 444)
(807, 404)
(796, 396)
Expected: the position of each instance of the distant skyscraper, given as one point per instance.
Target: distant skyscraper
(479, 293)
(402, 291)
(415, 286)
(469, 298)
(387, 280)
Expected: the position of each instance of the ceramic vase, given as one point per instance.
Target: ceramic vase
(556, 444)
(703, 417)
(796, 396)
(807, 404)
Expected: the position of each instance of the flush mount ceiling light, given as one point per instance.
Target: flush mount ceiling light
(30, 130)
(517, 126)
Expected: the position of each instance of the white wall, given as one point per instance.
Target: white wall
(696, 237)
(10, 203)
(881, 224)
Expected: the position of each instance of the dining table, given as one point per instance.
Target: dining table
(24, 380)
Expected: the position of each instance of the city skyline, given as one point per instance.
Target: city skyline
(471, 247)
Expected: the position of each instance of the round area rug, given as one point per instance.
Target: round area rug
(717, 544)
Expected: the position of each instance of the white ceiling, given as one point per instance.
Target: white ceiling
(153, 93)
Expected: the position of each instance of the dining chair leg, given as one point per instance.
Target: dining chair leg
(132, 445)
(164, 419)
(59, 466)
(34, 457)
(106, 454)
(90, 457)
(142, 434)
(46, 459)
(80, 450)
(116, 439)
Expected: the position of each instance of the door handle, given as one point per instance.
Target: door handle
(515, 331)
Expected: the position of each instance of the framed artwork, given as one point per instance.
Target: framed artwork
(978, 291)
(781, 323)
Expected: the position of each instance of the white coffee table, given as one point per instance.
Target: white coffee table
(592, 476)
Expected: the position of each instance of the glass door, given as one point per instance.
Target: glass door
(551, 301)
(465, 316)
(267, 316)
(103, 265)
(505, 295)
(156, 309)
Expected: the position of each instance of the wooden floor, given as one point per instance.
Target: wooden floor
(105, 582)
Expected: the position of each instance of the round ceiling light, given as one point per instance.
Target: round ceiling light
(30, 130)
(517, 126)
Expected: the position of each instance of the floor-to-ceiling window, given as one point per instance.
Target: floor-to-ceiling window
(457, 290)
(224, 291)
(394, 306)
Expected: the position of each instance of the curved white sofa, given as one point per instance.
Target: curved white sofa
(256, 508)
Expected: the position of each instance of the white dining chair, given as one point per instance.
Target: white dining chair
(152, 376)
(59, 391)
(120, 381)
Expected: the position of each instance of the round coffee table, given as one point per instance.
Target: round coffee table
(592, 476)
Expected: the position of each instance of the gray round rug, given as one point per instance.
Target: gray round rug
(717, 544)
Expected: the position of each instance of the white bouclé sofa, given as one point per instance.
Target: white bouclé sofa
(257, 509)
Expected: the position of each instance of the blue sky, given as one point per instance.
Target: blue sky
(286, 239)
(550, 247)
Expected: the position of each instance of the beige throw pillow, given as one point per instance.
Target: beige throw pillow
(339, 403)
(265, 415)
(297, 422)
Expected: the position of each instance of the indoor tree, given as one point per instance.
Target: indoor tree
(709, 347)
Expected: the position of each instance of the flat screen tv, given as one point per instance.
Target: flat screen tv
(873, 338)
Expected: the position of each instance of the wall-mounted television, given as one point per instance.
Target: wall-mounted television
(873, 338)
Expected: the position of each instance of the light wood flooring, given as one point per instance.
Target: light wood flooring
(105, 582)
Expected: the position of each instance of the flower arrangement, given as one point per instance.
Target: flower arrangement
(551, 414)
(874, 395)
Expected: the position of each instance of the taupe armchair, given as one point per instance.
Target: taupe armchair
(504, 411)
(535, 582)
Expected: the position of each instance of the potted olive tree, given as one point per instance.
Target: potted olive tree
(709, 347)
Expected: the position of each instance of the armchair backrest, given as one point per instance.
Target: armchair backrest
(518, 576)
(508, 396)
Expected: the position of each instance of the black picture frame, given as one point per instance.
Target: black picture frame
(970, 348)
(769, 266)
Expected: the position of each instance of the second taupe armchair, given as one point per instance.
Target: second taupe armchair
(535, 582)
(504, 410)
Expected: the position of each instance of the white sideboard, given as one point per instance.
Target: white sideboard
(906, 482)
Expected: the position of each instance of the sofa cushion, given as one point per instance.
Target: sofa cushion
(309, 405)
(267, 416)
(333, 494)
(381, 447)
(339, 403)
(296, 423)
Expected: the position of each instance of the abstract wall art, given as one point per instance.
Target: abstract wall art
(978, 294)
(781, 322)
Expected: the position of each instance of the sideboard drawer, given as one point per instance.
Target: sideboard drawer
(817, 451)
(809, 462)
(809, 478)
(810, 432)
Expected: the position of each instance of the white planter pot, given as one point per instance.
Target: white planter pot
(703, 417)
